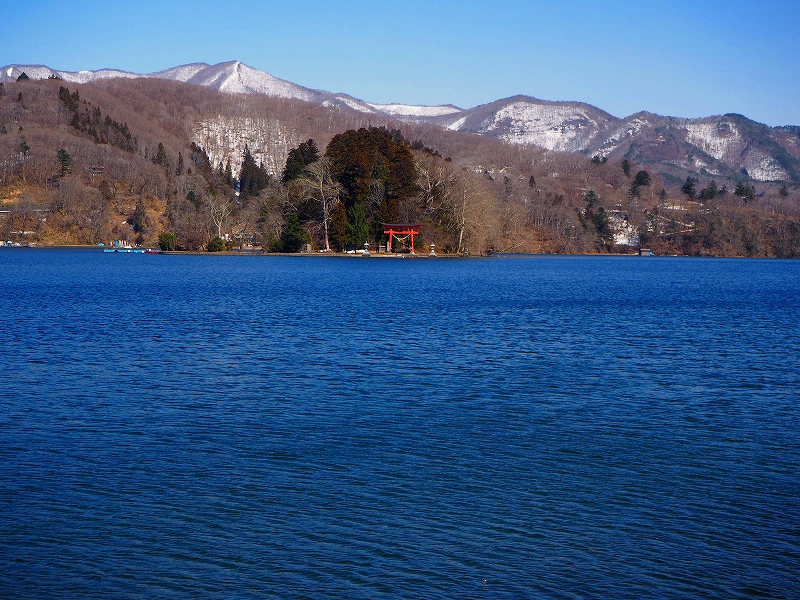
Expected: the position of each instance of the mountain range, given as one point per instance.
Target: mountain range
(727, 146)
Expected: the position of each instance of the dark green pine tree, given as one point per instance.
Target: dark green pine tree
(65, 161)
(642, 179)
(309, 151)
(603, 224)
(710, 192)
(252, 178)
(745, 191)
(297, 161)
(139, 219)
(161, 155)
(293, 237)
(359, 228)
(295, 166)
(340, 227)
(688, 187)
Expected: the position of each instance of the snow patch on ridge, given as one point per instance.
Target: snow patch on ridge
(181, 73)
(626, 131)
(408, 110)
(354, 104)
(87, 76)
(457, 125)
(720, 140)
(764, 168)
(41, 72)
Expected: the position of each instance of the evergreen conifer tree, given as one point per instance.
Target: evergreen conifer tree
(745, 191)
(309, 151)
(642, 179)
(293, 237)
(603, 224)
(252, 178)
(688, 187)
(65, 161)
(340, 229)
(295, 166)
(358, 229)
(161, 155)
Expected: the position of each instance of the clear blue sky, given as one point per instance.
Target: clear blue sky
(677, 58)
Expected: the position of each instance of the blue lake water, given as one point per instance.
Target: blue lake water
(306, 427)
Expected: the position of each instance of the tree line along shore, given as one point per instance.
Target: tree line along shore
(121, 160)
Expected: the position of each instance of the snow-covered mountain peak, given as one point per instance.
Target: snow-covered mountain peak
(235, 77)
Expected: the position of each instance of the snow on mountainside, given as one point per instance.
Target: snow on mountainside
(231, 77)
(224, 139)
(723, 140)
(627, 130)
(563, 126)
(406, 110)
(12, 72)
(181, 73)
(237, 78)
(348, 102)
(566, 128)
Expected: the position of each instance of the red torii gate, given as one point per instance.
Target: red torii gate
(410, 229)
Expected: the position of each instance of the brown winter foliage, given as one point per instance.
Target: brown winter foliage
(137, 162)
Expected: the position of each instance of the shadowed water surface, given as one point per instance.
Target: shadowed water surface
(520, 427)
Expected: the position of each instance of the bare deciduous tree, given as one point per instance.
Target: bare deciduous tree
(325, 190)
(220, 208)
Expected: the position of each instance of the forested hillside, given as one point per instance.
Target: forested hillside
(162, 162)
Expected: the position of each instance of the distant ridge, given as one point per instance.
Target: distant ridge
(12, 72)
(727, 146)
(234, 77)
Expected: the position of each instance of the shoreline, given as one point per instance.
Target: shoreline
(381, 255)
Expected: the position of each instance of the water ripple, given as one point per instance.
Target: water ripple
(294, 428)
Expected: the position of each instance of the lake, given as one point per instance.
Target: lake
(309, 427)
